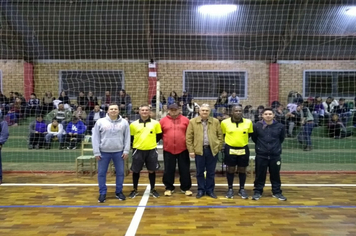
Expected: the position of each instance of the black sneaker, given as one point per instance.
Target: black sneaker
(154, 193)
(230, 193)
(102, 198)
(242, 193)
(133, 193)
(280, 197)
(120, 196)
(256, 196)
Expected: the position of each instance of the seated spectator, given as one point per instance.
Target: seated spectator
(65, 100)
(343, 111)
(164, 112)
(82, 100)
(33, 105)
(258, 113)
(15, 112)
(329, 106)
(275, 104)
(80, 113)
(233, 100)
(3, 100)
(248, 113)
(93, 116)
(221, 101)
(106, 100)
(282, 116)
(54, 131)
(318, 110)
(92, 101)
(337, 129)
(310, 104)
(152, 114)
(11, 99)
(75, 133)
(183, 101)
(162, 101)
(124, 101)
(62, 115)
(195, 113)
(191, 106)
(173, 98)
(221, 113)
(38, 131)
(307, 121)
(135, 115)
(47, 103)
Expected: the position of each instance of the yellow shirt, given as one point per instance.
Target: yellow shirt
(145, 134)
(236, 136)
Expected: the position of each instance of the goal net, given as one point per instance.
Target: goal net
(265, 52)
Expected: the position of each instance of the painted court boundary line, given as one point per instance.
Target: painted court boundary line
(162, 185)
(135, 222)
(140, 209)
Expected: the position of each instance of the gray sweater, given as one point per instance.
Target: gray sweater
(111, 136)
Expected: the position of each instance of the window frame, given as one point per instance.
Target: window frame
(334, 92)
(99, 96)
(1, 84)
(217, 71)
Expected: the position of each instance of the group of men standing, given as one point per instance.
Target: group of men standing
(201, 138)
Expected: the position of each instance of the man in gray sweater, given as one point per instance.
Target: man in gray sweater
(111, 140)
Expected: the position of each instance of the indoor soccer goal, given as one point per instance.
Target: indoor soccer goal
(260, 53)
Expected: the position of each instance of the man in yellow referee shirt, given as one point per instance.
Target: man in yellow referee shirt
(236, 131)
(145, 133)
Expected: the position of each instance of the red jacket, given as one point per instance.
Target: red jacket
(174, 133)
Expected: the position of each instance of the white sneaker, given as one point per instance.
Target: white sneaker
(187, 193)
(168, 193)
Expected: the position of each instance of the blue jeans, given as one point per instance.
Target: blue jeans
(305, 134)
(49, 137)
(0, 166)
(103, 165)
(206, 162)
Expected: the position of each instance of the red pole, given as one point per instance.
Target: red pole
(273, 82)
(28, 80)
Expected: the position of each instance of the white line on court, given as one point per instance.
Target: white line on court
(135, 222)
(161, 185)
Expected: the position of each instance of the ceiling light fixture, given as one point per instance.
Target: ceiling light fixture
(217, 10)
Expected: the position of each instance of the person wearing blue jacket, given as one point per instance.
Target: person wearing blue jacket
(75, 132)
(93, 116)
(4, 135)
(111, 140)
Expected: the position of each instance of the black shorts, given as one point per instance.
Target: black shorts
(147, 157)
(237, 156)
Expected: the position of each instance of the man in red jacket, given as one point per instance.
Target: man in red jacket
(174, 127)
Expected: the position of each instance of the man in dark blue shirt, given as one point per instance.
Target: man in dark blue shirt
(268, 136)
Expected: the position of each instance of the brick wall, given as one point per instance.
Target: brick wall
(12, 76)
(170, 74)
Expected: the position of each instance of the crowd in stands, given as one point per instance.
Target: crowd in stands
(59, 119)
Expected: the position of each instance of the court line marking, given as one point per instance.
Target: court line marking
(162, 185)
(136, 219)
(140, 209)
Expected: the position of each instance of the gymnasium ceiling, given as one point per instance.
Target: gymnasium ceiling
(176, 30)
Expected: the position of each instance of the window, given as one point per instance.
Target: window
(329, 83)
(96, 81)
(209, 84)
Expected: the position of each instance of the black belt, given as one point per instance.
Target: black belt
(206, 146)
